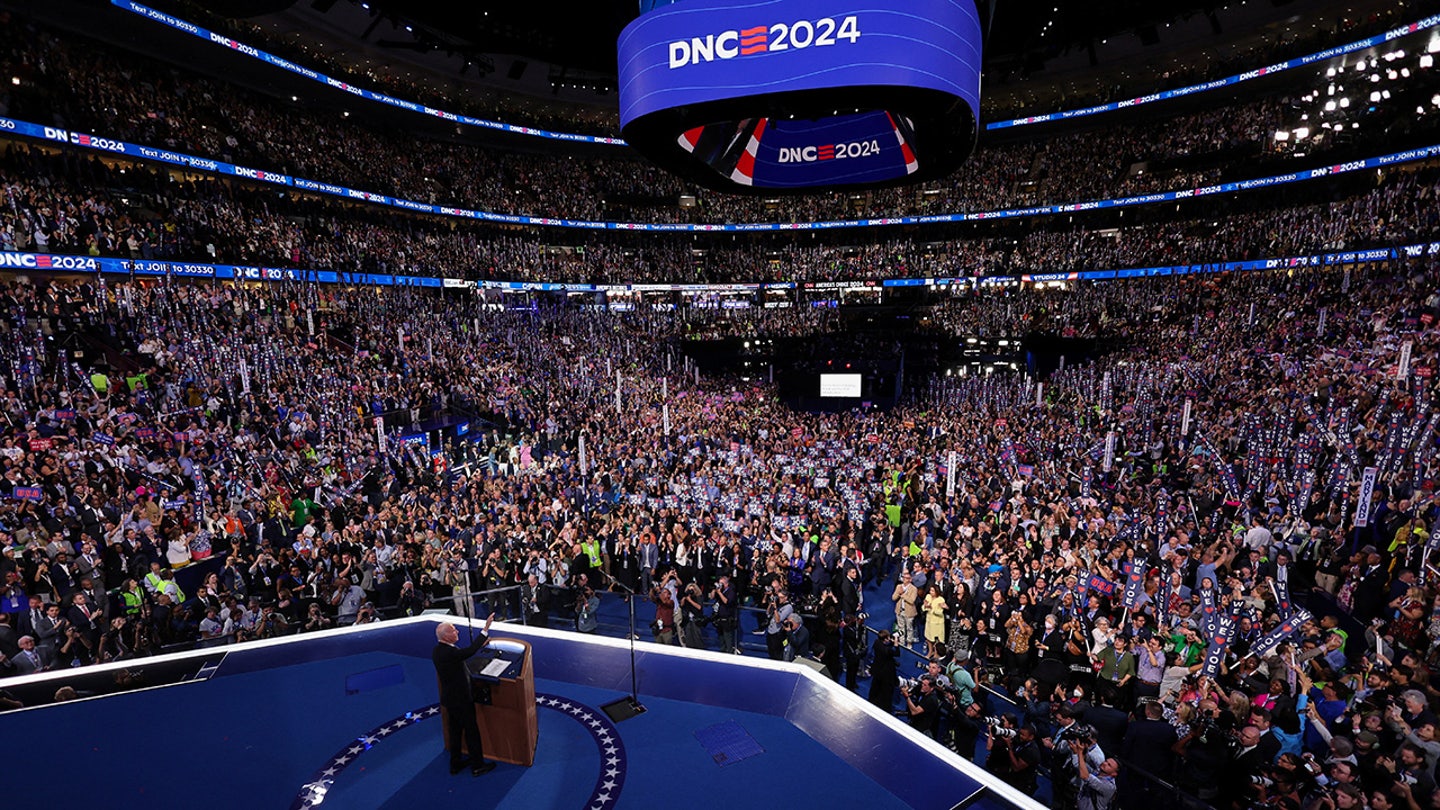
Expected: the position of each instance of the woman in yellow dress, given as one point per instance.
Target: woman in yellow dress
(934, 609)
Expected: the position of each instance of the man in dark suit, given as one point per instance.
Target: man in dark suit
(1245, 762)
(1370, 591)
(28, 623)
(1149, 745)
(1110, 723)
(455, 695)
(849, 591)
(1149, 742)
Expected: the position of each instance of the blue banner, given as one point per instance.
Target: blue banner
(1282, 631)
(1134, 585)
(369, 95)
(13, 261)
(117, 147)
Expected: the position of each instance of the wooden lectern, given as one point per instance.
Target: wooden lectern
(508, 725)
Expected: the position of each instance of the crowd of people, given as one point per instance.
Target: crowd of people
(65, 83)
(230, 430)
(1202, 559)
(62, 201)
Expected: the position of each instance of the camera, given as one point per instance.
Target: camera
(999, 729)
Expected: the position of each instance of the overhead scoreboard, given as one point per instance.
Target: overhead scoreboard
(795, 95)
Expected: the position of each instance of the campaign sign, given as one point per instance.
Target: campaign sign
(35, 494)
(1098, 584)
(1219, 644)
(1282, 631)
(1134, 585)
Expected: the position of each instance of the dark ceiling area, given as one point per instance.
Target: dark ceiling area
(582, 36)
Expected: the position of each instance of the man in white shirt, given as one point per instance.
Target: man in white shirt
(1259, 537)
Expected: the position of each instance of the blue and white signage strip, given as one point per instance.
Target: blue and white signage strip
(1318, 56)
(369, 95)
(28, 262)
(118, 147)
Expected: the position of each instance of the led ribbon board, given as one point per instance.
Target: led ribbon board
(791, 95)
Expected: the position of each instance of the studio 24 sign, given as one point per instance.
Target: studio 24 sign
(761, 40)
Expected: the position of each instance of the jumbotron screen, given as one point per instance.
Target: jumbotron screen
(841, 385)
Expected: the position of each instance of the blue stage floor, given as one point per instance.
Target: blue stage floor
(254, 740)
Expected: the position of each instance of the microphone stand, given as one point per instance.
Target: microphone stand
(469, 604)
(626, 707)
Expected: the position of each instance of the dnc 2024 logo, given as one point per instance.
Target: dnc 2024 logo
(763, 39)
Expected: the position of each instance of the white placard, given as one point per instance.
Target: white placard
(1367, 491)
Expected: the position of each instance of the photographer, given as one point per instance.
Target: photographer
(75, 652)
(923, 703)
(884, 676)
(271, 623)
(114, 646)
(533, 598)
(1097, 785)
(1071, 743)
(779, 610)
(692, 618)
(316, 619)
(797, 638)
(963, 724)
(587, 604)
(1012, 754)
(852, 647)
(724, 615)
(664, 625)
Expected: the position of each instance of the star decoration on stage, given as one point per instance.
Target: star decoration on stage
(607, 741)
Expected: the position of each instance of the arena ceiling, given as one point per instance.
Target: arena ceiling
(1036, 50)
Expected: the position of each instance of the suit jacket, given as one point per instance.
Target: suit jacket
(9, 645)
(1110, 726)
(47, 632)
(89, 626)
(450, 670)
(649, 556)
(1269, 747)
(27, 625)
(1147, 745)
(904, 599)
(849, 595)
(25, 666)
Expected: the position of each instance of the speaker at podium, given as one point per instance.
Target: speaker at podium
(502, 679)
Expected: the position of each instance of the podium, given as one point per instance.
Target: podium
(507, 719)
